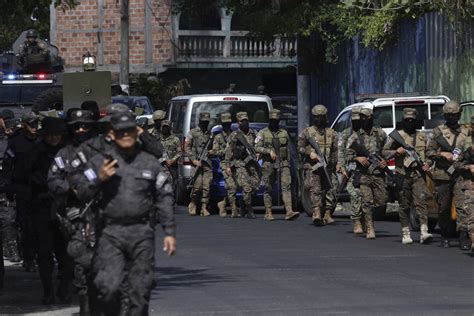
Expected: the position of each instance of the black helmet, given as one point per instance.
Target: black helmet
(31, 33)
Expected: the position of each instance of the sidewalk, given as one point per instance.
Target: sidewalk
(22, 295)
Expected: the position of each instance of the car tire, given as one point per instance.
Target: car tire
(304, 197)
(50, 99)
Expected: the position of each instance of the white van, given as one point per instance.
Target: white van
(183, 112)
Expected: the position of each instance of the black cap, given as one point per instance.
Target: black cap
(81, 116)
(93, 107)
(121, 121)
(53, 125)
(7, 114)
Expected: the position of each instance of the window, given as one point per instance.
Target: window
(467, 112)
(343, 122)
(383, 116)
(177, 113)
(206, 19)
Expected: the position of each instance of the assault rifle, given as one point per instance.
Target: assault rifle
(203, 155)
(164, 157)
(410, 151)
(374, 159)
(322, 163)
(445, 146)
(277, 164)
(251, 153)
(345, 178)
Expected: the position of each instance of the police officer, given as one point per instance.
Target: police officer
(453, 137)
(349, 168)
(32, 46)
(219, 145)
(131, 185)
(195, 144)
(414, 192)
(18, 158)
(372, 180)
(272, 143)
(172, 151)
(464, 192)
(240, 163)
(322, 197)
(50, 241)
(158, 117)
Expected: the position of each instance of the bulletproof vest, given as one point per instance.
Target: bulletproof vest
(325, 139)
(282, 139)
(239, 150)
(416, 141)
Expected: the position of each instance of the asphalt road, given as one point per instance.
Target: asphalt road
(251, 267)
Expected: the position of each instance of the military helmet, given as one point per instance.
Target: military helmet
(159, 115)
(319, 109)
(226, 117)
(205, 116)
(32, 33)
(274, 114)
(88, 62)
(242, 116)
(355, 113)
(366, 112)
(409, 113)
(166, 123)
(451, 107)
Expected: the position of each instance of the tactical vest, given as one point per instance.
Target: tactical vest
(417, 141)
(282, 139)
(324, 140)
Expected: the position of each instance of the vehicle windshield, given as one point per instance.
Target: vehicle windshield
(467, 112)
(257, 111)
(383, 116)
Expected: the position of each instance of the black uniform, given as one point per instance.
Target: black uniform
(127, 203)
(50, 240)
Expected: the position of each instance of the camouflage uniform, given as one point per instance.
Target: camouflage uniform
(321, 198)
(172, 153)
(158, 116)
(348, 168)
(372, 185)
(265, 147)
(243, 169)
(414, 191)
(444, 181)
(218, 149)
(194, 144)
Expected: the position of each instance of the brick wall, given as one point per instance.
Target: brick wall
(79, 30)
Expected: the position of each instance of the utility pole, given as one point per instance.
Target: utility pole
(124, 52)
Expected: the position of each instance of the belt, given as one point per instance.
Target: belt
(127, 221)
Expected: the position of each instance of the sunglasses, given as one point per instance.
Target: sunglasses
(123, 132)
(80, 125)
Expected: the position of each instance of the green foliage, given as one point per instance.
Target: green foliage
(156, 90)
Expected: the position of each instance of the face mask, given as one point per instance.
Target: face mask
(452, 121)
(226, 126)
(203, 125)
(165, 130)
(244, 125)
(274, 125)
(356, 125)
(366, 124)
(409, 126)
(320, 121)
(82, 137)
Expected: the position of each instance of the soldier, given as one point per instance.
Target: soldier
(195, 144)
(273, 144)
(414, 190)
(241, 162)
(218, 148)
(158, 117)
(50, 241)
(172, 151)
(32, 46)
(348, 171)
(444, 146)
(322, 197)
(372, 180)
(464, 192)
(129, 185)
(18, 157)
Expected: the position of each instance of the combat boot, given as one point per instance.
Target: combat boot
(464, 241)
(358, 227)
(204, 211)
(369, 224)
(268, 215)
(13, 251)
(406, 238)
(192, 208)
(425, 237)
(250, 213)
(235, 212)
(290, 214)
(328, 220)
(317, 218)
(221, 207)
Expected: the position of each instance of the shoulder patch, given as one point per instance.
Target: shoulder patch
(160, 180)
(258, 138)
(54, 168)
(82, 157)
(59, 162)
(76, 163)
(90, 175)
(147, 174)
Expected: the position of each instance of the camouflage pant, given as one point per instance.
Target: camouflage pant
(202, 184)
(355, 199)
(248, 179)
(230, 185)
(414, 192)
(373, 191)
(269, 174)
(463, 194)
(321, 198)
(444, 196)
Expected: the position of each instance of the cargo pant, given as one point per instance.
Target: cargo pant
(269, 176)
(444, 196)
(414, 193)
(322, 199)
(248, 179)
(355, 199)
(202, 184)
(230, 185)
(24, 219)
(373, 192)
(121, 247)
(463, 191)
